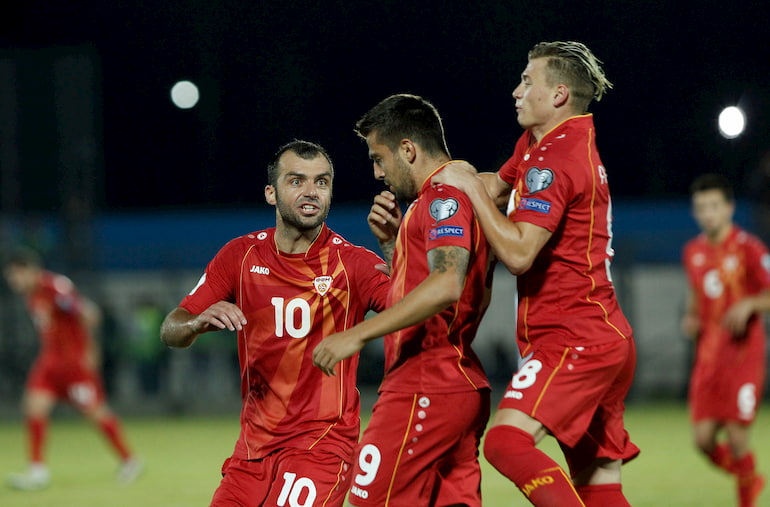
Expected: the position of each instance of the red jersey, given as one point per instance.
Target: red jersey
(567, 296)
(56, 308)
(292, 302)
(720, 275)
(435, 356)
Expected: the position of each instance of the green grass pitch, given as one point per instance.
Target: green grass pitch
(183, 456)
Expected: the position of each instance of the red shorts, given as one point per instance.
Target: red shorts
(290, 477)
(578, 394)
(727, 393)
(79, 385)
(421, 449)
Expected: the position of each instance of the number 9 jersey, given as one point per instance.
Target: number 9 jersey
(291, 302)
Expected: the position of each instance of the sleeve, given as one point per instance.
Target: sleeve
(216, 284)
(375, 283)
(545, 195)
(759, 265)
(449, 218)
(65, 296)
(509, 171)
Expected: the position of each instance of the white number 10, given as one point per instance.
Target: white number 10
(293, 488)
(284, 317)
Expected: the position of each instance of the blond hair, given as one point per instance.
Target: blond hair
(574, 65)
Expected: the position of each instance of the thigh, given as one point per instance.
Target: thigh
(243, 482)
(415, 444)
(562, 387)
(307, 479)
(289, 477)
(83, 388)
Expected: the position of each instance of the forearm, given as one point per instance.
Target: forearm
(178, 329)
(387, 248)
(761, 302)
(437, 292)
(505, 237)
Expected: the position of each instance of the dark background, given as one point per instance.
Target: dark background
(272, 71)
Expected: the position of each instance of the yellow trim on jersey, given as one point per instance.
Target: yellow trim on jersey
(400, 451)
(548, 382)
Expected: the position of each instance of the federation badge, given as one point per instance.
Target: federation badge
(441, 209)
(322, 284)
(538, 179)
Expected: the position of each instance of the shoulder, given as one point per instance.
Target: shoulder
(258, 239)
(350, 250)
(58, 283)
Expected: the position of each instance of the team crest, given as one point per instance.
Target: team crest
(322, 284)
(442, 209)
(538, 179)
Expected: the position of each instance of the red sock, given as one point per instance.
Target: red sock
(723, 458)
(749, 483)
(110, 426)
(36, 430)
(513, 453)
(602, 495)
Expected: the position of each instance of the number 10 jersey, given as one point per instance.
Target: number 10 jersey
(292, 302)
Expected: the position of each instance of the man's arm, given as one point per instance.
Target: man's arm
(180, 328)
(738, 315)
(690, 324)
(516, 244)
(443, 287)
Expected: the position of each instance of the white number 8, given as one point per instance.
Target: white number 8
(527, 374)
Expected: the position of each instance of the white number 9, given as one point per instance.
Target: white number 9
(369, 462)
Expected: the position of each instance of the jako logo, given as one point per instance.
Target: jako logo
(359, 492)
(536, 483)
(261, 270)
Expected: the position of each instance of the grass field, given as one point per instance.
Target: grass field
(183, 456)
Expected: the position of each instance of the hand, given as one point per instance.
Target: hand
(384, 218)
(220, 315)
(690, 326)
(335, 348)
(737, 316)
(458, 174)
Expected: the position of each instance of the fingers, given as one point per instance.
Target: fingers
(223, 315)
(385, 210)
(324, 360)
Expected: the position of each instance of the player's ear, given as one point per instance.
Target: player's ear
(561, 95)
(270, 194)
(408, 150)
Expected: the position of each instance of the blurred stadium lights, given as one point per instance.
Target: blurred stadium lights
(732, 122)
(184, 94)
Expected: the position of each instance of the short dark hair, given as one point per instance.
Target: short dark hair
(713, 181)
(405, 116)
(24, 257)
(303, 149)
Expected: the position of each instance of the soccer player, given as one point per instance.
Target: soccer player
(66, 367)
(283, 289)
(729, 287)
(421, 444)
(557, 240)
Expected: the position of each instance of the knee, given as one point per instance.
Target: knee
(503, 442)
(705, 443)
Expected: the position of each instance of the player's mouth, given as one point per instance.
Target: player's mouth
(309, 209)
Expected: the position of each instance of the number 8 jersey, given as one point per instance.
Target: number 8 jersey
(291, 302)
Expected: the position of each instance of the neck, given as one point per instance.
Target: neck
(428, 167)
(720, 234)
(539, 131)
(291, 240)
